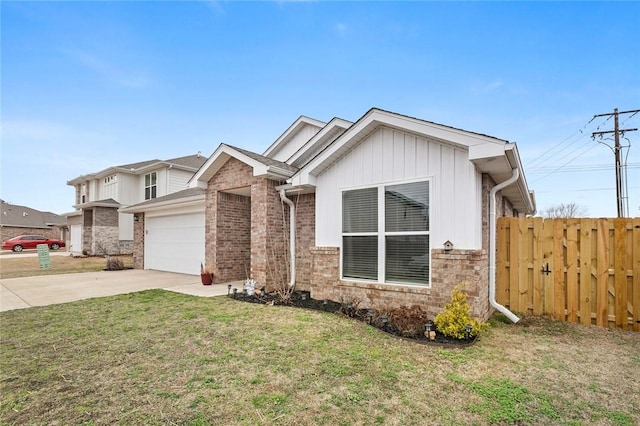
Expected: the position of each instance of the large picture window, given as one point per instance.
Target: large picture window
(150, 188)
(385, 233)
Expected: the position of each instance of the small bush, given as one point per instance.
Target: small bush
(114, 264)
(453, 320)
(410, 321)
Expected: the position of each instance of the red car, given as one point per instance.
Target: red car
(22, 242)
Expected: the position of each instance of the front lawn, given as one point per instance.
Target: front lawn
(28, 266)
(158, 357)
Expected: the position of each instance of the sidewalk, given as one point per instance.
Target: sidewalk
(20, 293)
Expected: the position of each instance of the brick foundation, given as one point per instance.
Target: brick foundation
(449, 269)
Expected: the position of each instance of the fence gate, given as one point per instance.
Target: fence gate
(585, 271)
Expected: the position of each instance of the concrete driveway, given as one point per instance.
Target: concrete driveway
(20, 293)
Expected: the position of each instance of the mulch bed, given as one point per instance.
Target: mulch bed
(379, 320)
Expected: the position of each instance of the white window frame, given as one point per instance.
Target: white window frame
(382, 234)
(150, 186)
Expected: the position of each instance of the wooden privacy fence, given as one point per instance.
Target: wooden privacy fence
(585, 271)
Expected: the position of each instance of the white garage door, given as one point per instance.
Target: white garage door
(174, 243)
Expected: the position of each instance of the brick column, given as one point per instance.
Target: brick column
(138, 241)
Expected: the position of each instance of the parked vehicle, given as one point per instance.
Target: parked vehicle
(22, 242)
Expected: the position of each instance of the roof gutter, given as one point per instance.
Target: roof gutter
(292, 238)
(492, 246)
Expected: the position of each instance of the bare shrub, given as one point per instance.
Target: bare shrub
(410, 321)
(114, 264)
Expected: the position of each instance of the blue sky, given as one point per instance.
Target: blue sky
(89, 85)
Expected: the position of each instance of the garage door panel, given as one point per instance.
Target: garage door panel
(175, 243)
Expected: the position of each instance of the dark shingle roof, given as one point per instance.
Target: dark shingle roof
(266, 160)
(186, 193)
(191, 161)
(14, 215)
(140, 165)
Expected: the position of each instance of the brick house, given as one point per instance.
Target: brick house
(21, 220)
(389, 210)
(96, 226)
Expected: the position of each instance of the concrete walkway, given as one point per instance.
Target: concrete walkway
(20, 293)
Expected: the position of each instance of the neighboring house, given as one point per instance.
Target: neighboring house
(20, 220)
(373, 204)
(96, 226)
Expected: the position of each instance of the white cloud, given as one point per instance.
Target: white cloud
(340, 28)
(215, 6)
(106, 70)
(486, 87)
(52, 146)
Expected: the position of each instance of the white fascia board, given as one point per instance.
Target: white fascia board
(375, 118)
(527, 195)
(195, 200)
(183, 208)
(445, 134)
(201, 174)
(333, 124)
(81, 179)
(221, 155)
(486, 150)
(72, 214)
(291, 131)
(501, 159)
(302, 179)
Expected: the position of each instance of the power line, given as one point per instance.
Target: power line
(581, 168)
(561, 166)
(549, 156)
(621, 192)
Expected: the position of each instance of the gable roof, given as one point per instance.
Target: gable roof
(291, 132)
(334, 128)
(262, 165)
(185, 196)
(26, 217)
(189, 163)
(496, 157)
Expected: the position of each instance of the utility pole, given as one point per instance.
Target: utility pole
(620, 195)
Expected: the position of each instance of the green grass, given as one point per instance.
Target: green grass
(25, 266)
(159, 358)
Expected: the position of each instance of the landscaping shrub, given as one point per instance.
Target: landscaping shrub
(453, 320)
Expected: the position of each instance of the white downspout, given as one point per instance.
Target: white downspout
(492, 246)
(292, 238)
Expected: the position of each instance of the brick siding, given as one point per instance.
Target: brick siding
(138, 241)
(249, 234)
(233, 234)
(14, 231)
(305, 206)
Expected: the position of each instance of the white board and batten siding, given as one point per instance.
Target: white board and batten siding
(296, 142)
(390, 156)
(174, 241)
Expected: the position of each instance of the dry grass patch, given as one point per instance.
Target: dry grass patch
(158, 357)
(16, 267)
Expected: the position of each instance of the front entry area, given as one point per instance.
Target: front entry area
(233, 236)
